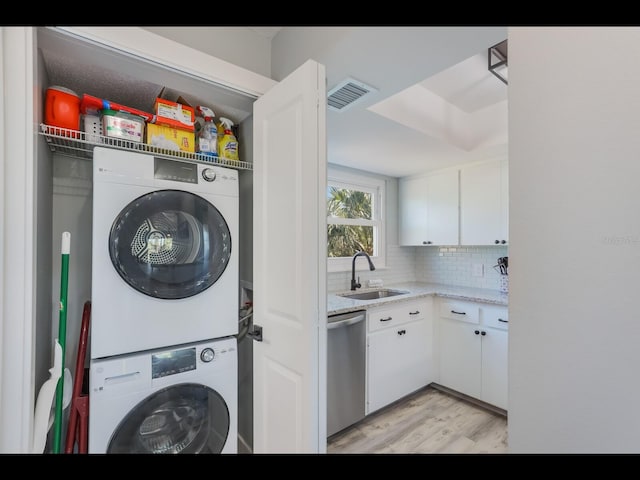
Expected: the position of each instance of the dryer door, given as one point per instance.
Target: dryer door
(185, 418)
(170, 244)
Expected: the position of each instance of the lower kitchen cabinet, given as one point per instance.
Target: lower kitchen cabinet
(460, 352)
(473, 350)
(400, 355)
(494, 367)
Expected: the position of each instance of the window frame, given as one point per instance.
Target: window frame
(377, 188)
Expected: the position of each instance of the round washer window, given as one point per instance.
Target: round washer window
(184, 418)
(170, 244)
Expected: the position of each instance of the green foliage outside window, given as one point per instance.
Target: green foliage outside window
(345, 240)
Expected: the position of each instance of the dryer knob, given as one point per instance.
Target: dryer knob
(207, 354)
(209, 174)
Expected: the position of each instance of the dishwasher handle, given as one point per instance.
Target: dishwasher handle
(349, 320)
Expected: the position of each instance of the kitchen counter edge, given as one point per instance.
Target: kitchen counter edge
(337, 304)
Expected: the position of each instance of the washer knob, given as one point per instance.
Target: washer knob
(209, 174)
(207, 354)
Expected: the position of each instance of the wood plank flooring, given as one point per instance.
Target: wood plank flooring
(428, 421)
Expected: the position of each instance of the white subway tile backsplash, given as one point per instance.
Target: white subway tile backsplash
(455, 268)
(400, 268)
(447, 265)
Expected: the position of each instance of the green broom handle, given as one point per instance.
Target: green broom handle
(62, 336)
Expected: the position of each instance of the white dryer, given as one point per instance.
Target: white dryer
(175, 400)
(165, 252)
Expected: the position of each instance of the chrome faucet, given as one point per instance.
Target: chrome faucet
(355, 284)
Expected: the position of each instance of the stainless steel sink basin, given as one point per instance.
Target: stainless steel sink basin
(373, 294)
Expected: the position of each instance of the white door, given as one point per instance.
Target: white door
(289, 264)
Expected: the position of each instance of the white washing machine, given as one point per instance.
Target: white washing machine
(174, 400)
(165, 252)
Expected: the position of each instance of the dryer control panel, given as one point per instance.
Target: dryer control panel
(164, 169)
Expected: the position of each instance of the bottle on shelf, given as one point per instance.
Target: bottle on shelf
(208, 136)
(227, 142)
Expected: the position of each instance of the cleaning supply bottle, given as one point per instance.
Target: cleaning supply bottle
(208, 136)
(227, 142)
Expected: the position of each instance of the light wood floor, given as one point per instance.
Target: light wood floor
(428, 421)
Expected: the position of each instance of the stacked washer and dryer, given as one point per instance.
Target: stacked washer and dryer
(164, 368)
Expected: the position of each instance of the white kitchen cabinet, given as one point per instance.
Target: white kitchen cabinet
(484, 203)
(428, 207)
(460, 351)
(494, 366)
(473, 350)
(400, 353)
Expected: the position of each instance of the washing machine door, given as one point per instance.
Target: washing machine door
(185, 418)
(170, 244)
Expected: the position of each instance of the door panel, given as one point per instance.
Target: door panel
(290, 264)
(480, 191)
(460, 350)
(495, 367)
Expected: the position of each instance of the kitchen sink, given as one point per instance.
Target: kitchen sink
(373, 294)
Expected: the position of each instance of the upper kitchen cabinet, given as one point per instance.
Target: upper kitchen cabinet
(428, 207)
(484, 203)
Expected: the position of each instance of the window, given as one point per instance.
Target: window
(355, 219)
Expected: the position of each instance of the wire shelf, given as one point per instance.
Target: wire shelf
(79, 144)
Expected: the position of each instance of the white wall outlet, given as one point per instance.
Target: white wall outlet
(477, 270)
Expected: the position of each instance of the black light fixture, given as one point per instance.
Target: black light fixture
(497, 58)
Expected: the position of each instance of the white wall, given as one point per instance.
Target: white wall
(574, 153)
(72, 212)
(237, 45)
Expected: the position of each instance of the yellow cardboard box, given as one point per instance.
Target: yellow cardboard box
(174, 114)
(170, 138)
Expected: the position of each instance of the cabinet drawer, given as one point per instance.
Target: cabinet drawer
(391, 316)
(496, 316)
(459, 310)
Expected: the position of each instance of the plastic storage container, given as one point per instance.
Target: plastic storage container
(62, 109)
(122, 125)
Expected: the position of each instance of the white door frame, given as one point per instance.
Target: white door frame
(17, 245)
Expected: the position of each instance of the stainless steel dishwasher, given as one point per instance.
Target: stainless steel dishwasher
(345, 370)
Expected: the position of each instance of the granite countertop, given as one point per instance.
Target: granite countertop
(337, 304)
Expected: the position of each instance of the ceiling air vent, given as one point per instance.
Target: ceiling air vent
(346, 93)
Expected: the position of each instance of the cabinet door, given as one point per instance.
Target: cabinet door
(504, 200)
(460, 352)
(412, 196)
(429, 209)
(495, 367)
(399, 362)
(442, 208)
(480, 204)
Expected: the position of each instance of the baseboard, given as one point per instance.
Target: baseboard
(475, 401)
